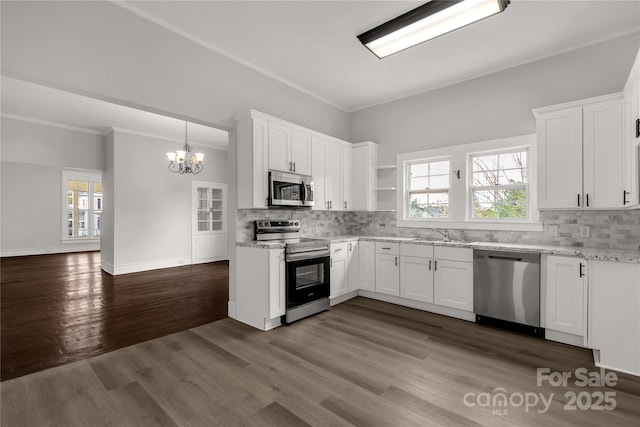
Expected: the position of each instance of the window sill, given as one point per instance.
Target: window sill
(471, 225)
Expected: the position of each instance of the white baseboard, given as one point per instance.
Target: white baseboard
(155, 264)
(80, 247)
(344, 297)
(425, 306)
(107, 267)
(565, 338)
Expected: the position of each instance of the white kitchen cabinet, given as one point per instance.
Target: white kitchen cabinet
(339, 269)
(353, 265)
(289, 149)
(416, 272)
(347, 178)
(453, 277)
(331, 178)
(365, 178)
(252, 162)
(631, 135)
(260, 290)
(367, 265)
(566, 295)
(388, 268)
(580, 154)
(614, 317)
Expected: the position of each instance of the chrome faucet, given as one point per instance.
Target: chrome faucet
(444, 233)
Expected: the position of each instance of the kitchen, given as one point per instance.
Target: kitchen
(486, 109)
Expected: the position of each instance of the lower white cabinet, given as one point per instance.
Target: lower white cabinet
(453, 277)
(260, 290)
(566, 300)
(353, 266)
(416, 272)
(614, 316)
(366, 265)
(339, 270)
(388, 268)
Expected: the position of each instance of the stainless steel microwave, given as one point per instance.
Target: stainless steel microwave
(290, 190)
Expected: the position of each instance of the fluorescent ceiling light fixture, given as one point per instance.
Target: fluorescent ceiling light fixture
(426, 22)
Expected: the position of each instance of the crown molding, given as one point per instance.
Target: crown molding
(212, 146)
(53, 124)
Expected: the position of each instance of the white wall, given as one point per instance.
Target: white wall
(33, 156)
(497, 105)
(151, 206)
(105, 51)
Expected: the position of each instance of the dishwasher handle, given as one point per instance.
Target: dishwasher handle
(531, 257)
(505, 257)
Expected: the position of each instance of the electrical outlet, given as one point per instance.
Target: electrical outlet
(554, 230)
(585, 231)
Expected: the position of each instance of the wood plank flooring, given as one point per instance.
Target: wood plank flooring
(363, 363)
(62, 308)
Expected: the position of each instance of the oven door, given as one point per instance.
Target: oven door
(307, 278)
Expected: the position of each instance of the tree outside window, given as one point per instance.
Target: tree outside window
(429, 189)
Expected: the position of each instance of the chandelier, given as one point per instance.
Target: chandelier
(183, 160)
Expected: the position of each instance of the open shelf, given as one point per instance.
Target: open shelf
(385, 188)
(381, 167)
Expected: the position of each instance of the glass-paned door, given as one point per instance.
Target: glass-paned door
(209, 222)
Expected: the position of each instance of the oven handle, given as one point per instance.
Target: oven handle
(301, 256)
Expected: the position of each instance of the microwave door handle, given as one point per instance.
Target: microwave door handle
(304, 192)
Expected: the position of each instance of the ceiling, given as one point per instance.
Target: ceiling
(312, 45)
(32, 102)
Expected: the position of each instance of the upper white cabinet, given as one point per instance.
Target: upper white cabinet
(252, 161)
(331, 171)
(566, 297)
(614, 314)
(631, 135)
(580, 154)
(289, 149)
(365, 161)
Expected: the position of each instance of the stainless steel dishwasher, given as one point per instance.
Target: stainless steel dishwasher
(506, 287)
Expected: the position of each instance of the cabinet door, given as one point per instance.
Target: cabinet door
(353, 265)
(603, 154)
(301, 152)
(318, 162)
(333, 177)
(416, 278)
(388, 274)
(560, 159)
(614, 318)
(630, 153)
(347, 180)
(367, 265)
(339, 271)
(453, 284)
(566, 295)
(277, 303)
(279, 147)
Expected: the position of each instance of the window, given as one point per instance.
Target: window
(428, 183)
(83, 205)
(500, 185)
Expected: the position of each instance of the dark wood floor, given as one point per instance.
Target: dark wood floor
(57, 309)
(363, 363)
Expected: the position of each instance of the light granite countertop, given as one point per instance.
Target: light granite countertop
(587, 253)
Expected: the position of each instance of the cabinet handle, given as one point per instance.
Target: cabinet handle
(429, 265)
(578, 200)
(435, 265)
(331, 262)
(396, 261)
(290, 166)
(581, 272)
(345, 204)
(587, 199)
(624, 197)
(387, 249)
(294, 166)
(337, 249)
(637, 128)
(349, 247)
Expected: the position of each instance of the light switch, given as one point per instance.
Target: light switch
(554, 230)
(585, 231)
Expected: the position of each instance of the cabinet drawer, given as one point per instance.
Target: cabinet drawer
(387, 248)
(420, 251)
(453, 254)
(339, 251)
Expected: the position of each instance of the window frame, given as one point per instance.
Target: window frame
(459, 192)
(92, 177)
(407, 185)
(497, 187)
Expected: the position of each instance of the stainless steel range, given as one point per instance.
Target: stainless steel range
(307, 268)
